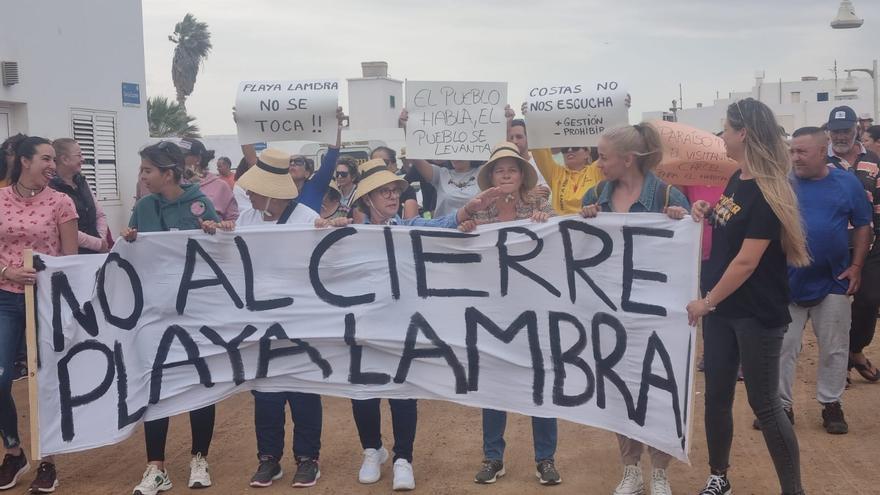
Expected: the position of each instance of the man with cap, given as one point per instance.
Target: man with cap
(846, 153)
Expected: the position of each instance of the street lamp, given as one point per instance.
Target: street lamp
(846, 17)
(850, 86)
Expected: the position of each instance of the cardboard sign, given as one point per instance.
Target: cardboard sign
(454, 120)
(575, 319)
(574, 114)
(286, 111)
(692, 157)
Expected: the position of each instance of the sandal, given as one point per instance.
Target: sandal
(865, 370)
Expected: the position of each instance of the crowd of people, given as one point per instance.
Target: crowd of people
(788, 239)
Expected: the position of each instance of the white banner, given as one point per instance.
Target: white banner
(454, 120)
(574, 114)
(580, 320)
(287, 110)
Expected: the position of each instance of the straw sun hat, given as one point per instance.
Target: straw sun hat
(270, 177)
(501, 150)
(373, 175)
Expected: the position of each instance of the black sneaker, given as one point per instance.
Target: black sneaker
(46, 480)
(307, 472)
(268, 471)
(788, 412)
(11, 470)
(20, 371)
(490, 472)
(833, 420)
(716, 485)
(547, 473)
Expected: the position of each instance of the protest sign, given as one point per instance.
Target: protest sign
(574, 114)
(286, 111)
(692, 157)
(454, 120)
(578, 319)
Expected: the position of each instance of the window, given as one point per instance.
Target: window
(795, 96)
(95, 131)
(821, 96)
(392, 101)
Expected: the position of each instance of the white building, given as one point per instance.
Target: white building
(796, 104)
(75, 68)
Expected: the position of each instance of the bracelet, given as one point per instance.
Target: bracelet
(3, 272)
(856, 264)
(708, 301)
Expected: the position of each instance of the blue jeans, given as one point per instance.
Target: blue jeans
(404, 417)
(305, 410)
(12, 320)
(543, 436)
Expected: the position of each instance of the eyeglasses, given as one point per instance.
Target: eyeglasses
(388, 192)
(342, 174)
(570, 149)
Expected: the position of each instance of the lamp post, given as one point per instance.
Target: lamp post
(874, 76)
(846, 17)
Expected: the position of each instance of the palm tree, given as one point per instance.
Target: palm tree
(168, 119)
(193, 42)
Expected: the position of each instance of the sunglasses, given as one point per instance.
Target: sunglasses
(298, 161)
(342, 174)
(570, 149)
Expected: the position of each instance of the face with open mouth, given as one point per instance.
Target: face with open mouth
(39, 169)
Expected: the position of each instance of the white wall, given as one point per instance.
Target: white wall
(77, 54)
(369, 103)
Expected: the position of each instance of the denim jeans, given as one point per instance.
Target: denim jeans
(305, 410)
(726, 343)
(12, 320)
(404, 417)
(494, 424)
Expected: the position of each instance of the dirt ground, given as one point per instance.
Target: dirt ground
(448, 451)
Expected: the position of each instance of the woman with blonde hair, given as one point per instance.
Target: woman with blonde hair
(757, 233)
(627, 157)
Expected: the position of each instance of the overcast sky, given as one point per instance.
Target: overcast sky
(708, 46)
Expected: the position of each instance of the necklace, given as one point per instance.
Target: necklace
(31, 192)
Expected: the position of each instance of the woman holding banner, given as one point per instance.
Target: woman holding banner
(378, 198)
(568, 183)
(172, 206)
(34, 217)
(756, 234)
(627, 156)
(516, 178)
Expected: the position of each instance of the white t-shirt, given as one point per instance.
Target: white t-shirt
(454, 189)
(241, 198)
(301, 214)
(541, 181)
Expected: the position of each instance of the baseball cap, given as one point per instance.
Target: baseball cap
(841, 118)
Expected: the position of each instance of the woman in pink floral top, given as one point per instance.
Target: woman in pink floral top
(516, 177)
(31, 216)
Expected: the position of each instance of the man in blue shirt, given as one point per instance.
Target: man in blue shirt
(829, 200)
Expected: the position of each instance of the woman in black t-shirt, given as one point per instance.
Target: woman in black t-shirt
(757, 232)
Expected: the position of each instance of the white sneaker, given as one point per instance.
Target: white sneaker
(632, 483)
(155, 480)
(198, 472)
(404, 479)
(371, 468)
(660, 483)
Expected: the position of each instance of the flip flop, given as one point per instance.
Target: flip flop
(865, 370)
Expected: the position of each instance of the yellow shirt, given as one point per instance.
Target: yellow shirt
(568, 186)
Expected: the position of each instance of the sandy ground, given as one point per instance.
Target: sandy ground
(448, 451)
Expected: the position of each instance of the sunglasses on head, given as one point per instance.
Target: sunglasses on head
(570, 149)
(342, 174)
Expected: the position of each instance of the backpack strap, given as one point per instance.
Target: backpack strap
(661, 195)
(285, 215)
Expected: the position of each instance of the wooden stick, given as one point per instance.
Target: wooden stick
(31, 336)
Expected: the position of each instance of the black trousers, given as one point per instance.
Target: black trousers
(866, 303)
(201, 423)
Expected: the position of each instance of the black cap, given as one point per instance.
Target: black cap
(192, 146)
(842, 118)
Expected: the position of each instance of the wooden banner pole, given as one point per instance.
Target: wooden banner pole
(31, 337)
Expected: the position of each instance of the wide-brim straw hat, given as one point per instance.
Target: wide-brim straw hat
(501, 150)
(374, 174)
(270, 176)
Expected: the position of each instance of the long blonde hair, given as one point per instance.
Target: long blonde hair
(769, 162)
